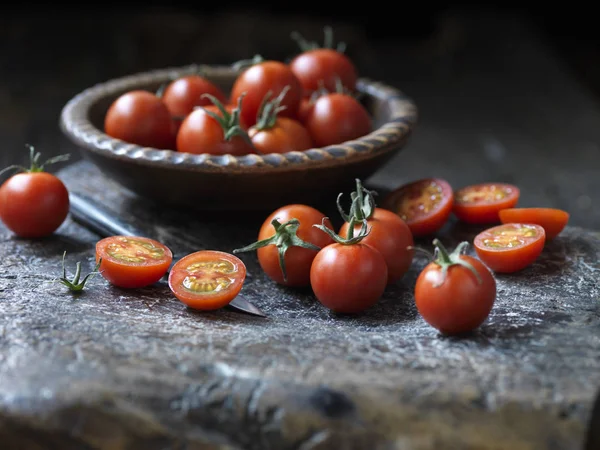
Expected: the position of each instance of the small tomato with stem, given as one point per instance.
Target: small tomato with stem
(216, 133)
(348, 276)
(288, 243)
(389, 234)
(455, 292)
(34, 203)
(277, 134)
(318, 65)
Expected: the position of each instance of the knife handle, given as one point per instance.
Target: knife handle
(91, 214)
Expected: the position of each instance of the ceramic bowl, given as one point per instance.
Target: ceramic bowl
(225, 182)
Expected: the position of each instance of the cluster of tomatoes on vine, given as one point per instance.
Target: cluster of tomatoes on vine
(272, 107)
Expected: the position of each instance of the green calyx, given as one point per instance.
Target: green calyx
(328, 41)
(285, 237)
(35, 165)
(245, 63)
(77, 284)
(363, 204)
(269, 109)
(230, 122)
(445, 260)
(351, 239)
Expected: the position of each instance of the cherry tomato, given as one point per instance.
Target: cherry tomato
(306, 106)
(455, 293)
(202, 132)
(207, 279)
(480, 203)
(388, 233)
(132, 261)
(336, 118)
(348, 278)
(287, 135)
(140, 117)
(182, 95)
(324, 67)
(34, 203)
(425, 205)
(294, 227)
(510, 247)
(551, 219)
(259, 79)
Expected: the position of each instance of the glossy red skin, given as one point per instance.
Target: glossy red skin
(423, 224)
(348, 279)
(390, 235)
(201, 133)
(287, 135)
(33, 205)
(304, 109)
(216, 299)
(261, 78)
(514, 259)
(551, 219)
(181, 96)
(337, 118)
(140, 117)
(298, 260)
(460, 304)
(130, 275)
(484, 212)
(324, 65)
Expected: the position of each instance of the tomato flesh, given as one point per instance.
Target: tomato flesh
(481, 203)
(425, 205)
(551, 219)
(207, 279)
(510, 247)
(132, 261)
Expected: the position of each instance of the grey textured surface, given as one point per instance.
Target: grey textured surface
(116, 369)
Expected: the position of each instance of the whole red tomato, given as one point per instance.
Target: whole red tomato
(455, 293)
(275, 134)
(34, 203)
(216, 132)
(182, 95)
(336, 118)
(288, 236)
(388, 234)
(323, 67)
(261, 78)
(349, 276)
(140, 117)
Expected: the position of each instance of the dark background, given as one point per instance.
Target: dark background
(50, 52)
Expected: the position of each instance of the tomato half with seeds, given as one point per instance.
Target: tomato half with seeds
(510, 247)
(207, 279)
(132, 261)
(481, 203)
(425, 205)
(551, 219)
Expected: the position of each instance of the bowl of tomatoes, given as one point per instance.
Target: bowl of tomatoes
(247, 136)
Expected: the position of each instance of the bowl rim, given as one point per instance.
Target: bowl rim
(76, 125)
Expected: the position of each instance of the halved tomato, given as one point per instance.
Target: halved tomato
(425, 205)
(207, 279)
(481, 203)
(551, 219)
(132, 261)
(510, 247)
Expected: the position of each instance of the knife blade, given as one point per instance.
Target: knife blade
(98, 219)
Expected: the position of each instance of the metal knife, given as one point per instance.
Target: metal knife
(95, 217)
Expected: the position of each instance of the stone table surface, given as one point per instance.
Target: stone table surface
(115, 369)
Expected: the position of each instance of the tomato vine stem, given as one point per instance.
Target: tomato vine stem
(350, 239)
(76, 284)
(328, 41)
(269, 109)
(285, 237)
(445, 260)
(35, 165)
